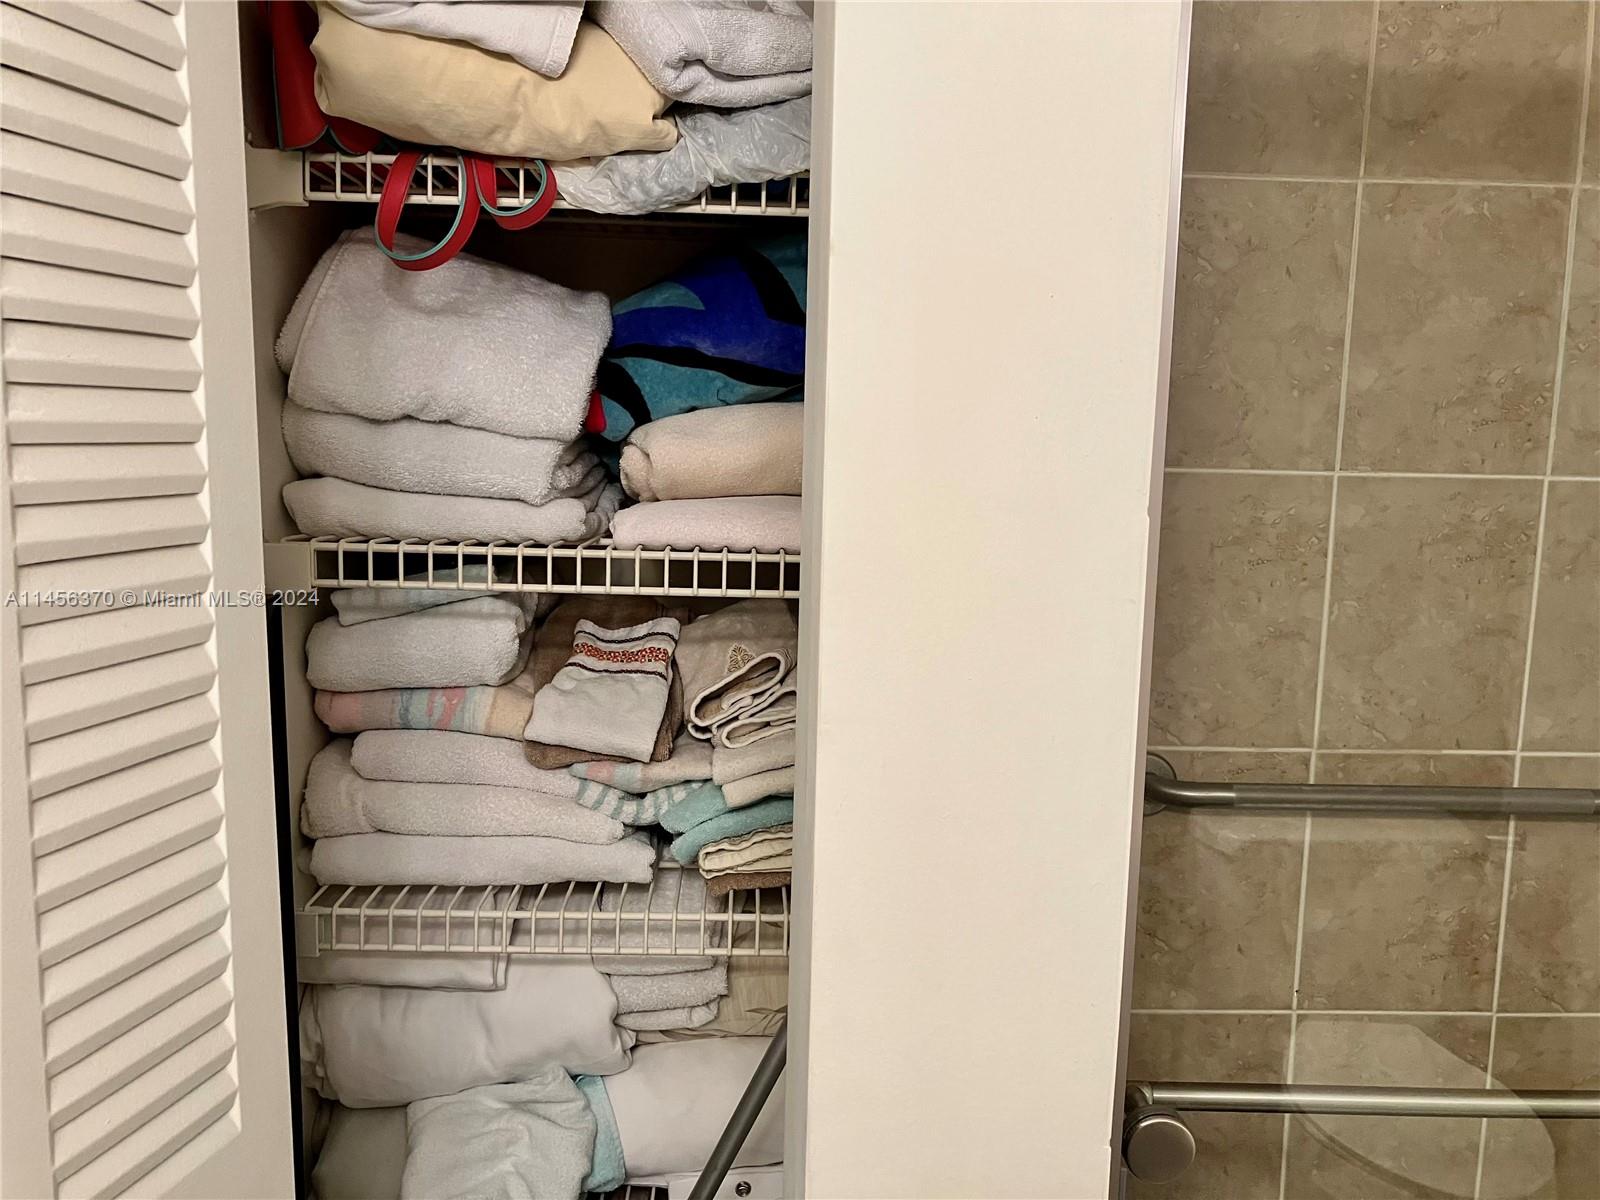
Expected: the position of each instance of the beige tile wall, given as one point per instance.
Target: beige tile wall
(1380, 562)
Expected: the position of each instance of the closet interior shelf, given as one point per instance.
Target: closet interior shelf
(551, 918)
(591, 568)
(359, 178)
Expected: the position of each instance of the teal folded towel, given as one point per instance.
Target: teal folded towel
(731, 823)
(609, 1170)
(694, 803)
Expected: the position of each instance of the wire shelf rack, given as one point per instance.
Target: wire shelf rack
(359, 179)
(658, 919)
(593, 567)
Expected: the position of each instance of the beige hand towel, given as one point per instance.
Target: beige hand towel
(733, 659)
(736, 450)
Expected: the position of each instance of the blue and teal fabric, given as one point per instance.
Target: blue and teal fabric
(729, 328)
(731, 823)
(609, 1171)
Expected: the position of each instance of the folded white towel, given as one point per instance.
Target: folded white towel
(764, 523)
(539, 36)
(472, 342)
(338, 802)
(746, 791)
(398, 858)
(774, 713)
(732, 450)
(529, 1139)
(611, 695)
(468, 644)
(329, 507)
(445, 756)
(729, 763)
(448, 972)
(372, 1046)
(688, 1017)
(722, 55)
(407, 455)
(681, 989)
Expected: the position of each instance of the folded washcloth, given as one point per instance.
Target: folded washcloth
(338, 802)
(628, 808)
(729, 763)
(765, 524)
(764, 814)
(671, 890)
(328, 507)
(408, 455)
(443, 756)
(725, 55)
(733, 659)
(729, 328)
(534, 1138)
(552, 647)
(755, 1006)
(450, 972)
(469, 644)
(500, 712)
(746, 881)
(687, 1017)
(743, 792)
(371, 1046)
(773, 715)
(455, 94)
(739, 450)
(770, 849)
(681, 989)
(691, 759)
(539, 36)
(714, 148)
(611, 695)
(398, 858)
(471, 342)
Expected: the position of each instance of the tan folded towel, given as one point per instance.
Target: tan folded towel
(733, 659)
(423, 89)
(723, 884)
(737, 450)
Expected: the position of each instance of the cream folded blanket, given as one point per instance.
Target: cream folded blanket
(444, 756)
(338, 801)
(770, 849)
(766, 524)
(407, 455)
(329, 507)
(733, 659)
(539, 36)
(718, 54)
(474, 642)
(444, 93)
(472, 342)
(729, 763)
(734, 450)
(398, 858)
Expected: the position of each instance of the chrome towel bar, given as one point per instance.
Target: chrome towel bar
(1163, 791)
(1352, 1100)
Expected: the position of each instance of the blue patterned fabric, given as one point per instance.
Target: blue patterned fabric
(729, 328)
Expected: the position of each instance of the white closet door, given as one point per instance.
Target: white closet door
(144, 1035)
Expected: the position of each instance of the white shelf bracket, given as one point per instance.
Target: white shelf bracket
(273, 179)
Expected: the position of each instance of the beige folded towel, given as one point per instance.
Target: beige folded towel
(766, 524)
(746, 791)
(423, 89)
(733, 659)
(729, 763)
(736, 450)
(769, 849)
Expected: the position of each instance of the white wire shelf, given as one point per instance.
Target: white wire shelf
(594, 567)
(359, 179)
(656, 920)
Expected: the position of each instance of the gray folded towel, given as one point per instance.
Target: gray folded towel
(669, 1018)
(328, 507)
(681, 989)
(473, 643)
(445, 756)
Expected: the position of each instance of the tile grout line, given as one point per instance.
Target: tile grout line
(1439, 752)
(1553, 1015)
(1327, 579)
(1312, 473)
(1407, 180)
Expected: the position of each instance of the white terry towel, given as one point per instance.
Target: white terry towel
(338, 802)
(367, 1047)
(671, 890)
(611, 695)
(730, 763)
(773, 714)
(507, 1140)
(471, 342)
(468, 644)
(539, 36)
(734, 450)
(733, 660)
(329, 507)
(657, 1019)
(713, 53)
(449, 972)
(681, 989)
(399, 859)
(407, 455)
(446, 756)
(766, 524)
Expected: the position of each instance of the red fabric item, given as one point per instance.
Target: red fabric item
(487, 181)
(594, 420)
(291, 24)
(393, 199)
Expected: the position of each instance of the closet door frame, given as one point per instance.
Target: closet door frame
(993, 252)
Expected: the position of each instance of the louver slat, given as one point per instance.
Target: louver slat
(82, 583)
(36, 353)
(47, 415)
(57, 474)
(73, 179)
(50, 531)
(118, 852)
(83, 811)
(146, 32)
(31, 291)
(62, 706)
(67, 237)
(78, 757)
(41, 109)
(45, 48)
(62, 648)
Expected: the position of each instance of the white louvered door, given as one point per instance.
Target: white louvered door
(144, 1038)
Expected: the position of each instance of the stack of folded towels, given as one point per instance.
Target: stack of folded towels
(701, 384)
(442, 404)
(589, 90)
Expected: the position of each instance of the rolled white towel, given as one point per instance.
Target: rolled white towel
(469, 644)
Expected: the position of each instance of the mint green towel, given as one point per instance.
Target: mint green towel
(735, 823)
(693, 803)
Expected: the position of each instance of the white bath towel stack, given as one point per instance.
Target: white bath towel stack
(441, 404)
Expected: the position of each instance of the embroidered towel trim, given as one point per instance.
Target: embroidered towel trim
(612, 694)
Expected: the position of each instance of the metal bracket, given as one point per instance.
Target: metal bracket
(273, 179)
(305, 935)
(288, 566)
(1155, 765)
